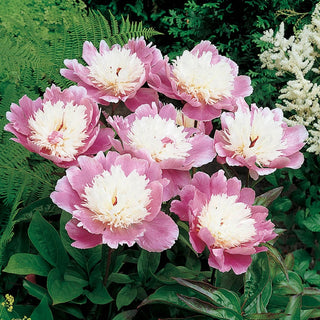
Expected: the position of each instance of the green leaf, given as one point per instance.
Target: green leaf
(70, 308)
(306, 237)
(293, 308)
(171, 271)
(268, 197)
(209, 309)
(312, 277)
(125, 315)
(311, 291)
(35, 290)
(289, 261)
(47, 241)
(125, 296)
(88, 258)
(119, 278)
(312, 222)
(220, 297)
(264, 316)
(256, 278)
(60, 290)
(26, 263)
(168, 295)
(282, 204)
(99, 295)
(284, 287)
(42, 311)
(302, 260)
(228, 280)
(148, 263)
(274, 254)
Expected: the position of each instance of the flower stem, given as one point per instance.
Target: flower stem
(106, 260)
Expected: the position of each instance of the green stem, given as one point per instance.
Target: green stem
(106, 263)
(230, 172)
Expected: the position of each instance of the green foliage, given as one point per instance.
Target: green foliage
(130, 283)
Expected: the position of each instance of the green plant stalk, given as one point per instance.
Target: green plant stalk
(106, 261)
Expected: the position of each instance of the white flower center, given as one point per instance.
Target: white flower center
(118, 200)
(200, 78)
(228, 221)
(59, 129)
(260, 136)
(118, 71)
(162, 138)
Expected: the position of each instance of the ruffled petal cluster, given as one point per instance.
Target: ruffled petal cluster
(114, 200)
(259, 139)
(117, 73)
(223, 218)
(60, 127)
(206, 81)
(154, 135)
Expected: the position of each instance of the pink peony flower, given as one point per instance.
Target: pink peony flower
(117, 73)
(154, 135)
(204, 126)
(222, 217)
(205, 80)
(60, 127)
(114, 200)
(259, 139)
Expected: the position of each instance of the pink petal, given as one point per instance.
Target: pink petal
(160, 234)
(83, 239)
(64, 196)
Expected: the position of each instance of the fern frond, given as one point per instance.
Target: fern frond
(6, 231)
(18, 175)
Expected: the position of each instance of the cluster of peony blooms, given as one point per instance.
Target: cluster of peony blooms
(121, 170)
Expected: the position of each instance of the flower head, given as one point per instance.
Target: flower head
(115, 199)
(154, 135)
(259, 139)
(222, 217)
(205, 80)
(115, 74)
(62, 126)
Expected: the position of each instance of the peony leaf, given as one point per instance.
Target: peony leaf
(36, 291)
(268, 197)
(42, 311)
(47, 241)
(256, 278)
(99, 295)
(264, 316)
(148, 263)
(274, 254)
(27, 263)
(209, 309)
(125, 315)
(220, 297)
(125, 296)
(168, 295)
(284, 287)
(119, 278)
(293, 308)
(60, 290)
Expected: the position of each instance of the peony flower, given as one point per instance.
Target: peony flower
(222, 217)
(259, 139)
(205, 80)
(60, 127)
(114, 200)
(204, 126)
(117, 73)
(154, 135)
